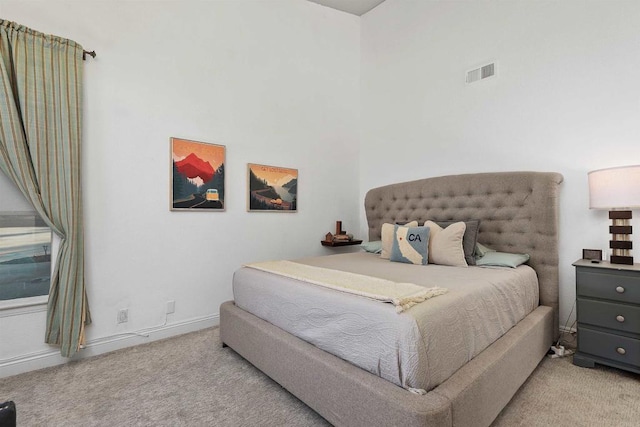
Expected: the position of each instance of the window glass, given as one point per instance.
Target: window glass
(25, 255)
(25, 246)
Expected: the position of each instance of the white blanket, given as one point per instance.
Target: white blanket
(401, 295)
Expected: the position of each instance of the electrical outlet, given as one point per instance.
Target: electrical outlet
(171, 307)
(123, 315)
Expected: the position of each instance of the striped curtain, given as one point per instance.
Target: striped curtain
(40, 132)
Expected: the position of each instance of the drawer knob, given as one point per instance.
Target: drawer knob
(621, 350)
(620, 318)
(620, 289)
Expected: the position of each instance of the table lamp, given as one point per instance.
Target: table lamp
(617, 189)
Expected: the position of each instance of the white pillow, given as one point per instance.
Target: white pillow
(445, 244)
(389, 235)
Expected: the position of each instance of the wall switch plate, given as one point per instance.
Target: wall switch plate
(171, 307)
(123, 315)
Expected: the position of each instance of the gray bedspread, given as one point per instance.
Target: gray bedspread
(417, 349)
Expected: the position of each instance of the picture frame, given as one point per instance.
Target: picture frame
(271, 188)
(197, 176)
(592, 254)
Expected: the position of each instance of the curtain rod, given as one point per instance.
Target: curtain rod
(86, 52)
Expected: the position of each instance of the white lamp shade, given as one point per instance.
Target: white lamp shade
(615, 188)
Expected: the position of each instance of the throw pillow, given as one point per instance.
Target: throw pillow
(374, 247)
(469, 239)
(388, 236)
(482, 250)
(410, 245)
(502, 259)
(445, 244)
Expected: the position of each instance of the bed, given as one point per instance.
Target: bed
(518, 214)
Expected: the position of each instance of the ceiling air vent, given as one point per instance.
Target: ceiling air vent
(481, 73)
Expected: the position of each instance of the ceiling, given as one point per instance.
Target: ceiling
(355, 7)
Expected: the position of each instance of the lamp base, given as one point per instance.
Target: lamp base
(621, 244)
(619, 259)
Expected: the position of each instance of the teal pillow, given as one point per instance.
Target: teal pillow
(410, 245)
(374, 247)
(502, 259)
(482, 250)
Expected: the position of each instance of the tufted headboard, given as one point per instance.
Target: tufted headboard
(518, 212)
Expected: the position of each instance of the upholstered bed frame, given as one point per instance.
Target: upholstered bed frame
(518, 213)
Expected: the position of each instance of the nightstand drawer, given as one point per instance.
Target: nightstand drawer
(620, 317)
(613, 285)
(609, 346)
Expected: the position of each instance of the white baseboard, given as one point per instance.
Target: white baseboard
(47, 358)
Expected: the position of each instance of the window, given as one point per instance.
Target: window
(25, 249)
(25, 255)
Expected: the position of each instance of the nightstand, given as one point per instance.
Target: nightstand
(608, 304)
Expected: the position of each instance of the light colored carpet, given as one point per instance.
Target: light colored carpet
(561, 394)
(191, 380)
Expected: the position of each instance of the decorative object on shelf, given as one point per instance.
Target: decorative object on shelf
(617, 189)
(341, 238)
(592, 254)
(271, 189)
(197, 175)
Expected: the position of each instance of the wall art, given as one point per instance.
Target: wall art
(272, 189)
(197, 175)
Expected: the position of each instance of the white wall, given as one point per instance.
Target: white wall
(566, 98)
(277, 82)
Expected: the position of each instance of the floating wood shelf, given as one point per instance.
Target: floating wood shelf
(334, 244)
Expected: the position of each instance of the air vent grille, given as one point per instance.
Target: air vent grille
(481, 73)
(488, 70)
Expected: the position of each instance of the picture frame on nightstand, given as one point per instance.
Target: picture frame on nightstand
(592, 254)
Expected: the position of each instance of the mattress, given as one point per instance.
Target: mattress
(417, 349)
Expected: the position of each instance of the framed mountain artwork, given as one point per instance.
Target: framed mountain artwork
(272, 189)
(197, 175)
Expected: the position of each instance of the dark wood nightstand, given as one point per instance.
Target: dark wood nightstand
(608, 304)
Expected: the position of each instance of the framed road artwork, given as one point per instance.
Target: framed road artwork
(197, 175)
(272, 189)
